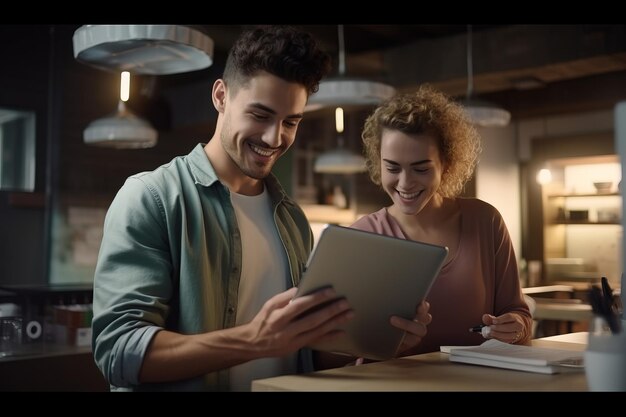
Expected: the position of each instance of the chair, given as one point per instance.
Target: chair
(547, 307)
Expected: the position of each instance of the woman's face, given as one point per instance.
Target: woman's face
(411, 169)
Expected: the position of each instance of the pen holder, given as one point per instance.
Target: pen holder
(605, 361)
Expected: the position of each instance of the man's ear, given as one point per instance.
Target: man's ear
(219, 94)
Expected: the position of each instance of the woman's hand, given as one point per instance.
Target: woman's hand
(414, 329)
(508, 328)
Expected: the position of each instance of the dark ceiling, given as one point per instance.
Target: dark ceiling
(532, 69)
(358, 38)
(364, 38)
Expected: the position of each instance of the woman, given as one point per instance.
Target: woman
(421, 149)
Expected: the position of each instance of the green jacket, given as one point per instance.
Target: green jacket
(171, 259)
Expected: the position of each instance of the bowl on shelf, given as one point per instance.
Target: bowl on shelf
(603, 187)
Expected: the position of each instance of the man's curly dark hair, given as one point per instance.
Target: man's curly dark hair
(282, 51)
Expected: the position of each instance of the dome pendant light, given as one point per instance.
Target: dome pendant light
(122, 130)
(344, 91)
(481, 112)
(143, 49)
(339, 160)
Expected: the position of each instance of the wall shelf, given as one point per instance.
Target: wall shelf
(569, 222)
(584, 195)
(580, 223)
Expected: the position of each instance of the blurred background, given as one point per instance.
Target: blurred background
(558, 85)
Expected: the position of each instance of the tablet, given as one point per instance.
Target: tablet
(380, 276)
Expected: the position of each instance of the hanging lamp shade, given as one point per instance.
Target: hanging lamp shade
(486, 114)
(481, 112)
(339, 161)
(346, 91)
(349, 91)
(122, 130)
(143, 49)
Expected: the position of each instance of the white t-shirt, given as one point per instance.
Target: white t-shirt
(264, 273)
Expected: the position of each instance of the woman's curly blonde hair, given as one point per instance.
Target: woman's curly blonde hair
(426, 111)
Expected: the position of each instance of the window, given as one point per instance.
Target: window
(17, 150)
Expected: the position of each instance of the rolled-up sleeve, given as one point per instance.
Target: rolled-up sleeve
(132, 283)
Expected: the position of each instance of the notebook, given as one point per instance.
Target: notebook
(380, 276)
(522, 358)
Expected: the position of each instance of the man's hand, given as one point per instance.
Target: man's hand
(281, 327)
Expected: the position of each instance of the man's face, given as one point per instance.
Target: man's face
(260, 122)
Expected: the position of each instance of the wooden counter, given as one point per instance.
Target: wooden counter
(430, 372)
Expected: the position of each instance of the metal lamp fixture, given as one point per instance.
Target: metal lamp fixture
(339, 160)
(345, 91)
(481, 112)
(143, 49)
(122, 130)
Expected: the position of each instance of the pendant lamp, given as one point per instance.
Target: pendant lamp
(143, 49)
(345, 91)
(481, 112)
(339, 160)
(122, 130)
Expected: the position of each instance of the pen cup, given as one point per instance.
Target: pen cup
(605, 362)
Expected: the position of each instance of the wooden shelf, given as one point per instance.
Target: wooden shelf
(571, 207)
(584, 195)
(581, 222)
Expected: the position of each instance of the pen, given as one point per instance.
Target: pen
(607, 292)
(603, 308)
(482, 329)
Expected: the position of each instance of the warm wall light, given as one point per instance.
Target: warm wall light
(544, 176)
(122, 130)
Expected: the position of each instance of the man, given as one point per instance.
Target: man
(189, 290)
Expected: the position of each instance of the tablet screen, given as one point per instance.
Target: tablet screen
(380, 276)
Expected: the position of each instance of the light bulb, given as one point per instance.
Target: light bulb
(125, 86)
(339, 119)
(544, 176)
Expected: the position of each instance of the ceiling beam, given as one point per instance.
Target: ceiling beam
(501, 56)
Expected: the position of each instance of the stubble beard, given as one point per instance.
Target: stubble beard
(239, 159)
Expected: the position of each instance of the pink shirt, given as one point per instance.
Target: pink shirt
(481, 278)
